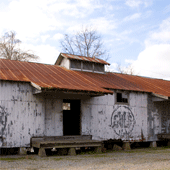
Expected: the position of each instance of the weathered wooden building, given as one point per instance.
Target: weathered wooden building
(77, 97)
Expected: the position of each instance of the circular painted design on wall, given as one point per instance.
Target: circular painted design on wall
(122, 120)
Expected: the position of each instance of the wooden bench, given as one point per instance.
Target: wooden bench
(69, 142)
(164, 136)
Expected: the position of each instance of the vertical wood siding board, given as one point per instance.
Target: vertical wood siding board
(21, 124)
(151, 118)
(6, 131)
(53, 108)
(59, 124)
(45, 117)
(27, 124)
(48, 118)
(60, 116)
(51, 121)
(86, 118)
(48, 115)
(56, 120)
(9, 128)
(36, 119)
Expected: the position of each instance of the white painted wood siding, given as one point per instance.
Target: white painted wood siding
(54, 117)
(104, 119)
(21, 114)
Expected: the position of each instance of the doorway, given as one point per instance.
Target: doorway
(71, 117)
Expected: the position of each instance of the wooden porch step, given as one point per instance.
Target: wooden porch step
(54, 138)
(66, 143)
(70, 142)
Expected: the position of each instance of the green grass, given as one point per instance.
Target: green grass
(58, 159)
(12, 159)
(18, 159)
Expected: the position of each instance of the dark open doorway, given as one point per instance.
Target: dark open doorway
(71, 117)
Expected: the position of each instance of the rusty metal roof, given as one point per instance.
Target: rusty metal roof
(53, 76)
(47, 76)
(78, 57)
(129, 82)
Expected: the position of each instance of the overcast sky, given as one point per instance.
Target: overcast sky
(134, 32)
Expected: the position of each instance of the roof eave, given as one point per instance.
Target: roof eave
(161, 96)
(59, 59)
(85, 92)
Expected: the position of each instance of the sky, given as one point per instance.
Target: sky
(134, 32)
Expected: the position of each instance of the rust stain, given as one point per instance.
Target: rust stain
(56, 77)
(83, 58)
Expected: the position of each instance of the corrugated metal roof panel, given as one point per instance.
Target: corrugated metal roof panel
(53, 76)
(129, 82)
(46, 76)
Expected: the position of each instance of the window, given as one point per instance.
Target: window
(99, 67)
(122, 98)
(88, 66)
(75, 64)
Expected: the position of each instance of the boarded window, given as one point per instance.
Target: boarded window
(99, 67)
(122, 98)
(75, 64)
(87, 66)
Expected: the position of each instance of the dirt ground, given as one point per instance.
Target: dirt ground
(148, 158)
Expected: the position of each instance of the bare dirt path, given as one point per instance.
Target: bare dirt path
(138, 159)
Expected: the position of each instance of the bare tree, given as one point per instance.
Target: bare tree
(87, 42)
(126, 70)
(10, 48)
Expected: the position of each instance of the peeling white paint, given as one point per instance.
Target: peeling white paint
(24, 115)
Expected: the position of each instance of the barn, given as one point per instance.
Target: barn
(76, 97)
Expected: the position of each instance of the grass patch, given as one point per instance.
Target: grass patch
(148, 150)
(86, 153)
(58, 159)
(11, 159)
(18, 158)
(99, 155)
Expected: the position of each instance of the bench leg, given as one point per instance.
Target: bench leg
(22, 151)
(98, 149)
(72, 152)
(126, 146)
(153, 144)
(42, 152)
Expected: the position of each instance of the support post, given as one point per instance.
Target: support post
(42, 152)
(153, 144)
(98, 149)
(116, 148)
(126, 146)
(22, 151)
(168, 144)
(72, 152)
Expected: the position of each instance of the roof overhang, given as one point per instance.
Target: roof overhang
(59, 59)
(81, 58)
(38, 90)
(158, 97)
(80, 92)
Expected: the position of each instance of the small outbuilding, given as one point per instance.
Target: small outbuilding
(77, 97)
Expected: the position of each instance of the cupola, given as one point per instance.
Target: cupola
(81, 63)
